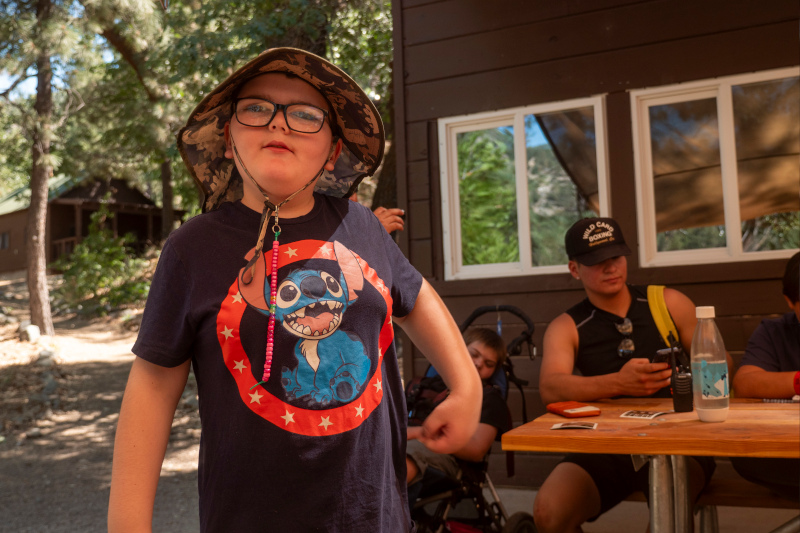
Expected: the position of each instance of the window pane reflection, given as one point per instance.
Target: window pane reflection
(767, 122)
(487, 196)
(562, 178)
(687, 179)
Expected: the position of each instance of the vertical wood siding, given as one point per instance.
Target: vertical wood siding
(465, 56)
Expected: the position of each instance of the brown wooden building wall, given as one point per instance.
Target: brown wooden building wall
(69, 217)
(12, 259)
(454, 57)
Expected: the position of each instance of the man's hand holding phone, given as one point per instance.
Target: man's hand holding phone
(640, 377)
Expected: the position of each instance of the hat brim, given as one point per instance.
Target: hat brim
(598, 256)
(201, 141)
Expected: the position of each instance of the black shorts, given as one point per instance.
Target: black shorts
(616, 478)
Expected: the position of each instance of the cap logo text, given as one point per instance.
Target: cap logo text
(588, 235)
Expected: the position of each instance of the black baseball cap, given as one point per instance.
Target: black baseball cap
(791, 278)
(593, 240)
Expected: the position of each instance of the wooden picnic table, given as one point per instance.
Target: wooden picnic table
(753, 429)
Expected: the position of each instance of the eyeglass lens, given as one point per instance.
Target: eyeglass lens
(256, 112)
(626, 347)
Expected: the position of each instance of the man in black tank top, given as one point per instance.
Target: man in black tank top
(611, 338)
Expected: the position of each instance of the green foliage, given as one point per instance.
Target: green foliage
(360, 42)
(778, 231)
(691, 238)
(555, 204)
(487, 193)
(15, 157)
(102, 273)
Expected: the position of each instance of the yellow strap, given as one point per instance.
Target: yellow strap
(661, 316)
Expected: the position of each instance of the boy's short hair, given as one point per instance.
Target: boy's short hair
(791, 279)
(491, 339)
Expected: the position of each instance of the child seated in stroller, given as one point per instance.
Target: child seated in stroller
(424, 466)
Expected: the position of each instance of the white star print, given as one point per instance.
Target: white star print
(325, 250)
(381, 286)
(256, 397)
(378, 386)
(240, 366)
(326, 421)
(228, 332)
(237, 298)
(359, 411)
(291, 252)
(288, 417)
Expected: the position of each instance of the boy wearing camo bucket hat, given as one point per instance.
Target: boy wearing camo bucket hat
(282, 296)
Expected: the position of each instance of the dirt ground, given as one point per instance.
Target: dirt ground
(57, 424)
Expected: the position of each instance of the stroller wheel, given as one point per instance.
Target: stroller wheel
(519, 523)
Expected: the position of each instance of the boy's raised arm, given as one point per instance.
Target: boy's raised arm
(143, 431)
(432, 329)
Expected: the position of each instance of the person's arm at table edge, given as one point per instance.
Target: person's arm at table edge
(637, 377)
(755, 382)
(557, 383)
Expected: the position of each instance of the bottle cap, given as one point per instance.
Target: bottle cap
(705, 311)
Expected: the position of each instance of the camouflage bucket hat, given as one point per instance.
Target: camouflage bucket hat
(355, 120)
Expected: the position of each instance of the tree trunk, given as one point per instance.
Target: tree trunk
(36, 225)
(167, 211)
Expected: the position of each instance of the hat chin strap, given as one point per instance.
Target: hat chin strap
(270, 209)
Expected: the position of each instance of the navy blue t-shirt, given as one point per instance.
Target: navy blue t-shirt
(321, 445)
(775, 345)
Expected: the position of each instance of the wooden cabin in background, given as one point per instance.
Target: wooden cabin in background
(678, 118)
(70, 206)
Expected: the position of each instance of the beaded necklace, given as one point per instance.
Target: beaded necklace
(270, 210)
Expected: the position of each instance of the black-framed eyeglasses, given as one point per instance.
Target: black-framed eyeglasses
(259, 112)
(626, 347)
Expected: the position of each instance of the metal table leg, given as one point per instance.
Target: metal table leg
(792, 526)
(662, 518)
(683, 506)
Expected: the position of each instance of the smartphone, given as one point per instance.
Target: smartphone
(662, 356)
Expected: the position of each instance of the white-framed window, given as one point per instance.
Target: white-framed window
(513, 181)
(718, 169)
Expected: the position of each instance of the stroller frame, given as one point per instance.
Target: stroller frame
(470, 483)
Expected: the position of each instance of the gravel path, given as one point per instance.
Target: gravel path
(57, 433)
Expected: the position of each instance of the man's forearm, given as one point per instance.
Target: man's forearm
(565, 387)
(763, 384)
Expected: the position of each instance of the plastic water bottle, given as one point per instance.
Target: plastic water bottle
(709, 369)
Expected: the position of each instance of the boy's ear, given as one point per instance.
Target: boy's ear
(228, 150)
(336, 151)
(573, 269)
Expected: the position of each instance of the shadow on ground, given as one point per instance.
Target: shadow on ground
(55, 456)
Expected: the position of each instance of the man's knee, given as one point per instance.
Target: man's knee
(546, 514)
(566, 499)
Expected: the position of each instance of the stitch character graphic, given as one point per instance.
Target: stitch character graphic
(331, 364)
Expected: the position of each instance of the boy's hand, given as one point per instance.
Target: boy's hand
(640, 377)
(451, 424)
(391, 219)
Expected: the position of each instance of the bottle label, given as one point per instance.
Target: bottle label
(713, 378)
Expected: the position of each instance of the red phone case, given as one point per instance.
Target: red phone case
(573, 409)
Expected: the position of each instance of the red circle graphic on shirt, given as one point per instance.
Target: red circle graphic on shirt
(311, 422)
